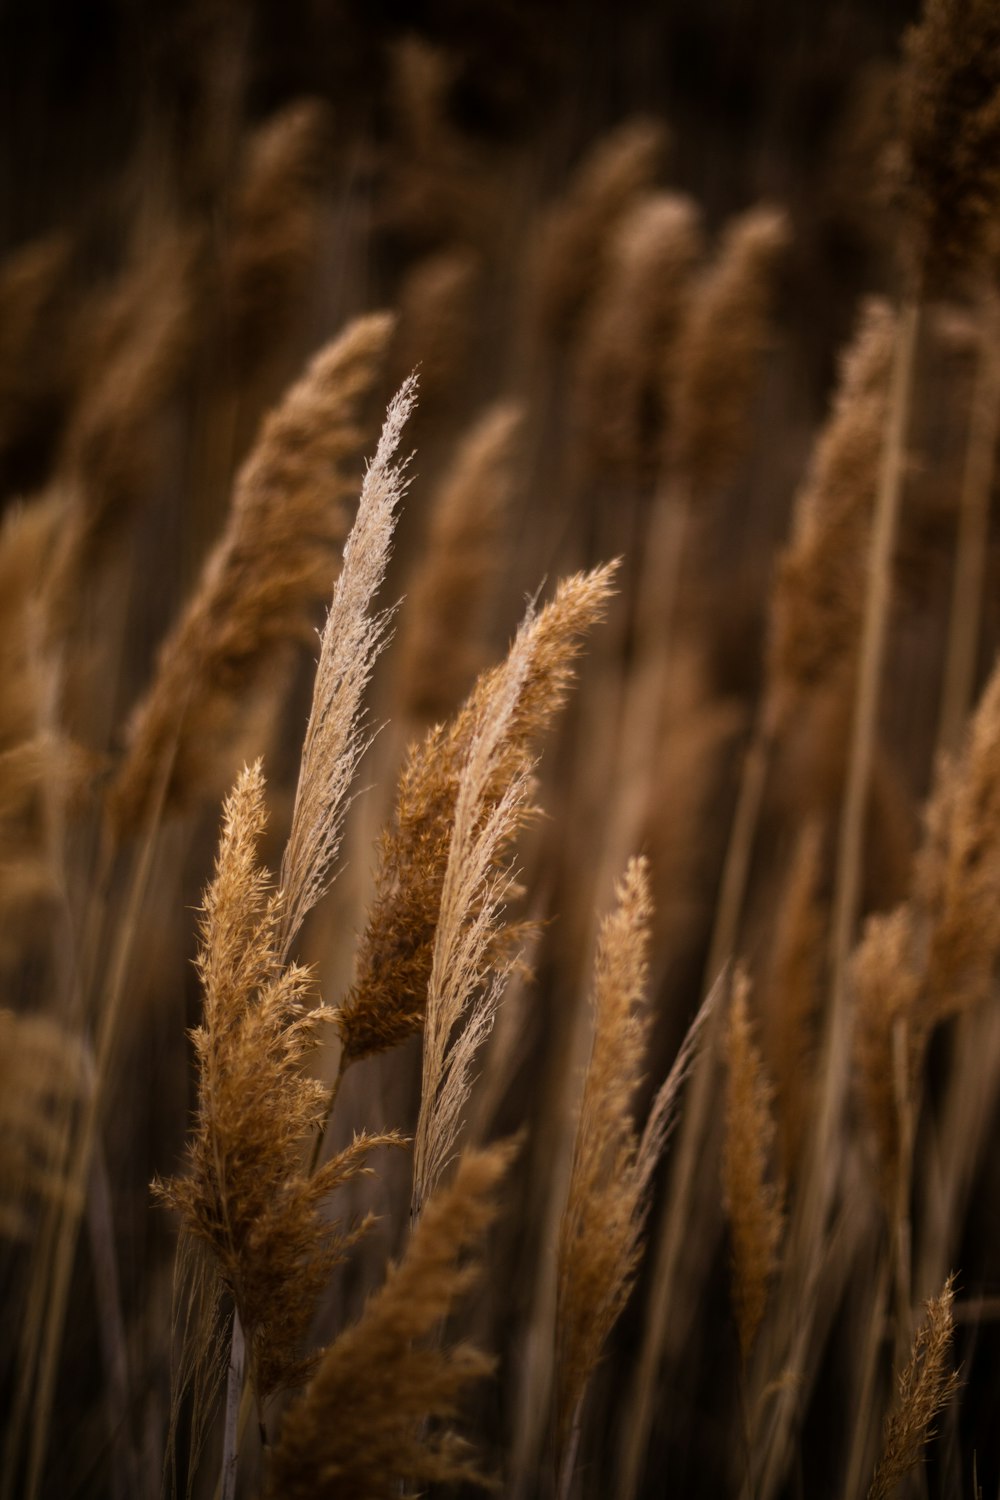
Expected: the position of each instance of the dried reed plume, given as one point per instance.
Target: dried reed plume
(950, 137)
(441, 649)
(139, 339)
(816, 608)
(273, 561)
(926, 1386)
(935, 955)
(336, 737)
(754, 1202)
(575, 238)
(627, 345)
(246, 1193)
(386, 1002)
(468, 964)
(958, 874)
(274, 228)
(362, 1428)
(601, 1230)
(721, 337)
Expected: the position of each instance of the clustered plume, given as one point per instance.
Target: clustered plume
(463, 972)
(387, 1000)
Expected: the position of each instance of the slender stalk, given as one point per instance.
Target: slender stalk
(234, 1397)
(317, 1150)
(809, 1241)
(973, 526)
(567, 1469)
(694, 1121)
(860, 1456)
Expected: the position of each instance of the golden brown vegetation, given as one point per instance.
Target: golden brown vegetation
(668, 653)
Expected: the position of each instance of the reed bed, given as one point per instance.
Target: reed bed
(500, 765)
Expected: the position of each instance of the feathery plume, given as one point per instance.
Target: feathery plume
(949, 144)
(387, 1000)
(246, 1193)
(574, 240)
(753, 1203)
(360, 1430)
(336, 737)
(272, 561)
(440, 649)
(718, 346)
(627, 345)
(467, 972)
(926, 1386)
(607, 1201)
(816, 610)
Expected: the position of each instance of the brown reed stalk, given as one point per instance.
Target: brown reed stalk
(139, 339)
(850, 867)
(367, 1424)
(441, 649)
(720, 339)
(273, 560)
(387, 999)
(815, 614)
(753, 1198)
(600, 1233)
(469, 964)
(927, 1386)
